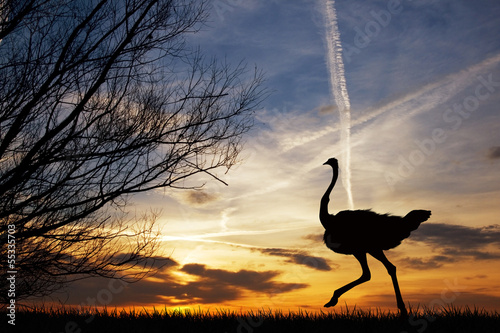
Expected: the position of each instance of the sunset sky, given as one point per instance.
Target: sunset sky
(423, 78)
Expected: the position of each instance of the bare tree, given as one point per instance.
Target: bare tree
(101, 99)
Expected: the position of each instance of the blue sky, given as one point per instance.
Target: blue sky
(424, 85)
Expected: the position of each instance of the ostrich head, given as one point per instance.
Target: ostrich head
(332, 162)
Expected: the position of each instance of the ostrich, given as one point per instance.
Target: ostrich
(359, 232)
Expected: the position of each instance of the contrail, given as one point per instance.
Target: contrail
(339, 90)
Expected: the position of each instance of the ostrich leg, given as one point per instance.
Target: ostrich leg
(391, 269)
(365, 276)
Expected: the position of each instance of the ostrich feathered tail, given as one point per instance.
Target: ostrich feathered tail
(415, 217)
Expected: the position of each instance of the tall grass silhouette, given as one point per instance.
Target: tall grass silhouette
(73, 320)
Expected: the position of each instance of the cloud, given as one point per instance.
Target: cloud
(246, 279)
(429, 96)
(327, 109)
(423, 264)
(455, 242)
(150, 262)
(473, 254)
(477, 276)
(199, 197)
(207, 286)
(494, 153)
(457, 236)
(299, 257)
(315, 238)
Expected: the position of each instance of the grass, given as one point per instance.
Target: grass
(71, 320)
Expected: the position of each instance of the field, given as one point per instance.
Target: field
(64, 320)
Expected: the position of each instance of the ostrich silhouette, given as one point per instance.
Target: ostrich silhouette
(359, 232)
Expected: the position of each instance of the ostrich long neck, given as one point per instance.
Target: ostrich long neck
(324, 216)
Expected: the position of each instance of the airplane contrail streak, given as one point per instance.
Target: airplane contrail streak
(338, 88)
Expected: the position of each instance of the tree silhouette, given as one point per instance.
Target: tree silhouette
(100, 100)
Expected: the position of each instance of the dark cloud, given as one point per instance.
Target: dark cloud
(423, 264)
(315, 238)
(208, 287)
(327, 109)
(453, 243)
(151, 262)
(199, 197)
(299, 257)
(478, 276)
(474, 254)
(494, 152)
(250, 280)
(462, 238)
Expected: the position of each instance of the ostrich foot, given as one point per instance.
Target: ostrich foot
(332, 302)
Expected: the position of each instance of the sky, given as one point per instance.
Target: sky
(423, 79)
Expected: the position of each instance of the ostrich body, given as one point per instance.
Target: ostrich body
(359, 232)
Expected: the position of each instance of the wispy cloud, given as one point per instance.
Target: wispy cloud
(431, 95)
(299, 257)
(312, 132)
